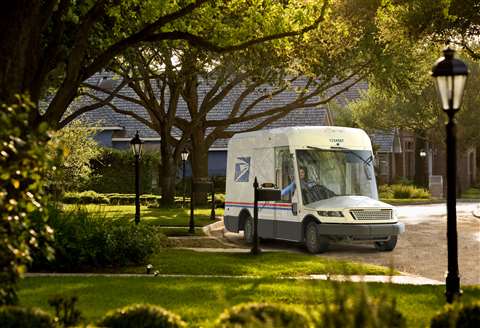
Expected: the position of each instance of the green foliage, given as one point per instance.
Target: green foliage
(15, 317)
(92, 197)
(258, 315)
(113, 172)
(141, 315)
(86, 240)
(65, 310)
(85, 197)
(24, 164)
(402, 191)
(349, 310)
(457, 315)
(78, 149)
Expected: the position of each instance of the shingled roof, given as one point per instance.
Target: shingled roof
(106, 117)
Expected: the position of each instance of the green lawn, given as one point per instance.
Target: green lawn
(200, 300)
(174, 217)
(268, 264)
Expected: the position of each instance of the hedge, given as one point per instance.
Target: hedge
(113, 172)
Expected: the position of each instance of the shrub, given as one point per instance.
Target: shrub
(261, 315)
(402, 191)
(457, 315)
(24, 164)
(83, 239)
(65, 310)
(141, 315)
(15, 316)
(350, 310)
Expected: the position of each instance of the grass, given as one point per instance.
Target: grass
(268, 264)
(173, 217)
(471, 193)
(199, 301)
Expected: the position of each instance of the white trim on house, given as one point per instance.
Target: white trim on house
(143, 139)
(109, 128)
(217, 149)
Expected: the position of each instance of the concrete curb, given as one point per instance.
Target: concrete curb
(398, 280)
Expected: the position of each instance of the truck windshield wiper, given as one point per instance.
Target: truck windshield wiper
(367, 161)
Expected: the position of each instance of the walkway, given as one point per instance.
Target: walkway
(401, 279)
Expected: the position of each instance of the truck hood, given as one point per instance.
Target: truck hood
(341, 202)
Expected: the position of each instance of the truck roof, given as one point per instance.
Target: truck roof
(317, 136)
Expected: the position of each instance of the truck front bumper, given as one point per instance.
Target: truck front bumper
(362, 231)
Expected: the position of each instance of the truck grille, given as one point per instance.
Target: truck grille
(385, 214)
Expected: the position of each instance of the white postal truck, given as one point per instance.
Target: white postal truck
(329, 192)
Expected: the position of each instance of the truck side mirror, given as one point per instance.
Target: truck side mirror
(294, 208)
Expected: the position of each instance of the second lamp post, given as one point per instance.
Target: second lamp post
(184, 160)
(136, 144)
(450, 75)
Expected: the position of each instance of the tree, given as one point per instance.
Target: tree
(57, 44)
(420, 113)
(439, 21)
(78, 149)
(314, 68)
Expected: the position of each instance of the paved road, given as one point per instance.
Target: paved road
(413, 214)
(421, 250)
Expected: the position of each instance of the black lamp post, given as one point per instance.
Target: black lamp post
(136, 144)
(184, 155)
(450, 75)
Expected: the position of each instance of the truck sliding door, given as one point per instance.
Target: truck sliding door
(286, 223)
(263, 164)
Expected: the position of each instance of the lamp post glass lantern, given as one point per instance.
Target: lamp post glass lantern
(184, 155)
(136, 144)
(450, 75)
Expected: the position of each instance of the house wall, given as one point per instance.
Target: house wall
(104, 138)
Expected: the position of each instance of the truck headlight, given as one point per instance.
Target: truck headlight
(337, 214)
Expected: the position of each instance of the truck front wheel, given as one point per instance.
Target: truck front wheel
(315, 242)
(248, 230)
(386, 246)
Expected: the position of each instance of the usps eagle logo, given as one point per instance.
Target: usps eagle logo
(242, 169)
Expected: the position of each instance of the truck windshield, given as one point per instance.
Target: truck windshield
(326, 173)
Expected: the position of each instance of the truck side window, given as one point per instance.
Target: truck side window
(284, 171)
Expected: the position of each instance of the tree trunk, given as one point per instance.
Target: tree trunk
(199, 161)
(20, 47)
(167, 173)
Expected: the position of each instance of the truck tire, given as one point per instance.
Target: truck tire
(248, 230)
(386, 246)
(315, 242)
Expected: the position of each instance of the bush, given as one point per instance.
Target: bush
(457, 315)
(15, 316)
(141, 315)
(402, 191)
(261, 315)
(24, 164)
(84, 240)
(350, 310)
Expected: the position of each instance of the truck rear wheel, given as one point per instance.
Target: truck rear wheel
(386, 246)
(248, 230)
(315, 242)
